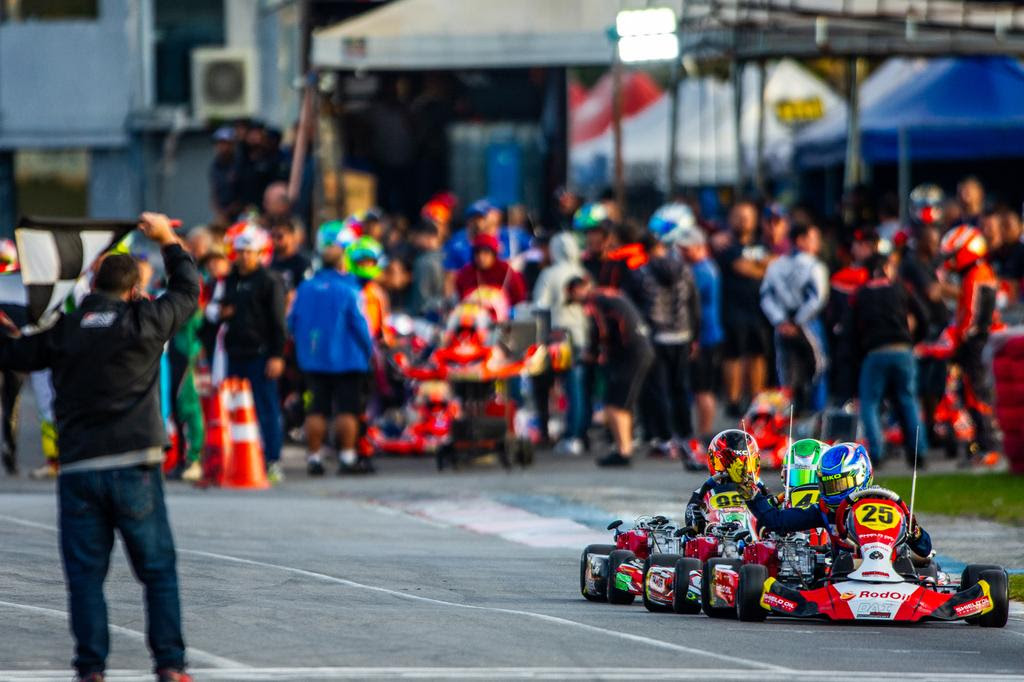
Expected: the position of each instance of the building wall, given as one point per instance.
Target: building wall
(70, 83)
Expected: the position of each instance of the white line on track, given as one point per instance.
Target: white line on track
(527, 673)
(192, 653)
(656, 643)
(637, 639)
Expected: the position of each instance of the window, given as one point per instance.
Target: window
(52, 182)
(180, 26)
(48, 10)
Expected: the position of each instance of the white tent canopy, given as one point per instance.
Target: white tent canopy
(706, 139)
(465, 34)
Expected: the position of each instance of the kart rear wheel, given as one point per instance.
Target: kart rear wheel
(600, 583)
(681, 586)
(668, 560)
(615, 595)
(970, 577)
(707, 579)
(748, 593)
(524, 456)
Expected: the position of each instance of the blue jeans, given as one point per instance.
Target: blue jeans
(264, 395)
(92, 505)
(572, 381)
(890, 372)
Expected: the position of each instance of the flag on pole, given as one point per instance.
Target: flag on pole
(53, 254)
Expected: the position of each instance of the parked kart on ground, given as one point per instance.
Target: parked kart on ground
(876, 579)
(616, 572)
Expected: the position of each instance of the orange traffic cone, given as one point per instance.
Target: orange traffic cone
(171, 454)
(245, 468)
(217, 448)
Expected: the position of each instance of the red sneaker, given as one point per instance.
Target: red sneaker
(171, 675)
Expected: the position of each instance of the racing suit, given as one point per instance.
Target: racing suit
(718, 483)
(807, 518)
(975, 317)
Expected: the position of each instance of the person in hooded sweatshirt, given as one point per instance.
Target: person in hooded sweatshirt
(549, 293)
(487, 270)
(674, 317)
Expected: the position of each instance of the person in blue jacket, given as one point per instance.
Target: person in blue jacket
(333, 348)
(843, 470)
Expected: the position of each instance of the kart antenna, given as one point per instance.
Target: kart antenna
(789, 455)
(913, 481)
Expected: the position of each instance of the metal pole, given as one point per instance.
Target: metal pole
(904, 174)
(619, 178)
(737, 123)
(852, 177)
(673, 129)
(759, 179)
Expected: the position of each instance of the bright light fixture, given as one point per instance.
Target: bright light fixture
(645, 22)
(649, 48)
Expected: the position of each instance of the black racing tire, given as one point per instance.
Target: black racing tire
(602, 585)
(970, 577)
(705, 588)
(748, 593)
(657, 560)
(615, 595)
(680, 604)
(525, 454)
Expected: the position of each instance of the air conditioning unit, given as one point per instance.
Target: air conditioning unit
(224, 83)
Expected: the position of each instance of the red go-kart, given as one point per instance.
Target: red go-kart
(616, 573)
(876, 578)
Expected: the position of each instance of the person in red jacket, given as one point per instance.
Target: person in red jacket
(487, 270)
(964, 250)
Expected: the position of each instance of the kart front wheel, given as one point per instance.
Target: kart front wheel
(615, 595)
(600, 583)
(681, 602)
(748, 593)
(970, 577)
(657, 560)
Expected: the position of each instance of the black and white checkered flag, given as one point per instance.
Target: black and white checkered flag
(55, 252)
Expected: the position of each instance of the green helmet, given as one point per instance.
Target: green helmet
(359, 253)
(589, 216)
(801, 467)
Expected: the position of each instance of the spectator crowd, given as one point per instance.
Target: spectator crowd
(675, 322)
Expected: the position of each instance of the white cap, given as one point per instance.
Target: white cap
(686, 236)
(250, 239)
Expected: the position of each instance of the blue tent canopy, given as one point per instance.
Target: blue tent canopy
(952, 108)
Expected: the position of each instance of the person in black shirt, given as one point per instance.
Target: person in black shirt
(619, 341)
(747, 334)
(224, 197)
(885, 339)
(288, 262)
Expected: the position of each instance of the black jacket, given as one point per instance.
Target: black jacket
(105, 359)
(880, 311)
(257, 327)
(675, 309)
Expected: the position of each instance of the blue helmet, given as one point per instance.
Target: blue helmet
(843, 469)
(671, 218)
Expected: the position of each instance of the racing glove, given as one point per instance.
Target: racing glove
(747, 486)
(914, 531)
(694, 518)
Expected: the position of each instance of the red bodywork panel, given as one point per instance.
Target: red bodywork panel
(635, 541)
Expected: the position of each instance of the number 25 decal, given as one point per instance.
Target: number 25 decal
(877, 517)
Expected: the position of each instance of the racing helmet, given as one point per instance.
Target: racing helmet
(802, 460)
(8, 256)
(926, 204)
(734, 452)
(670, 218)
(363, 257)
(844, 469)
(589, 216)
(962, 247)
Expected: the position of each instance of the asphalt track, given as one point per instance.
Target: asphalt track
(411, 574)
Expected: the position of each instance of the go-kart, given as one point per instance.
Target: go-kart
(716, 552)
(767, 420)
(616, 573)
(875, 577)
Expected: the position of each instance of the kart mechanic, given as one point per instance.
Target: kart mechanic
(844, 469)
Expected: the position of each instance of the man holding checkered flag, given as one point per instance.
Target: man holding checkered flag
(105, 362)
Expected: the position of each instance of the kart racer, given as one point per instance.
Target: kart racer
(732, 455)
(844, 469)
